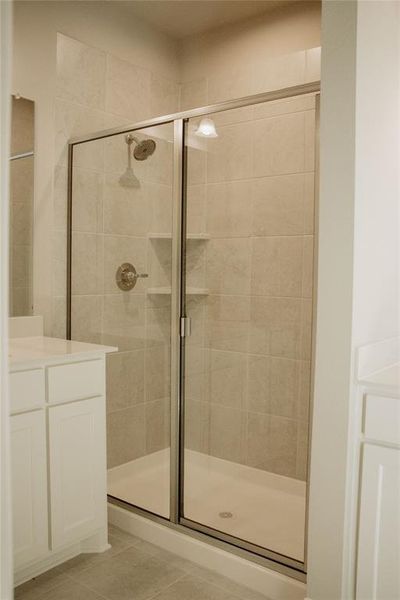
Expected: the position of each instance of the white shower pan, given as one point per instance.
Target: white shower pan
(251, 504)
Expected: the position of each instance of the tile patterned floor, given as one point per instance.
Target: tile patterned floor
(132, 570)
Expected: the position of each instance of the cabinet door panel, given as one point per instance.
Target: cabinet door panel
(29, 486)
(77, 469)
(378, 575)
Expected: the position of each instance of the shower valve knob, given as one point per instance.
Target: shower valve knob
(127, 276)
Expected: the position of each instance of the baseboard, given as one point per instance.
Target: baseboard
(256, 577)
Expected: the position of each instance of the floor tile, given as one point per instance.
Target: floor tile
(225, 583)
(131, 575)
(71, 591)
(85, 561)
(35, 588)
(132, 569)
(192, 588)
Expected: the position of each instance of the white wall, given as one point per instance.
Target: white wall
(333, 375)
(358, 262)
(5, 118)
(34, 76)
(377, 189)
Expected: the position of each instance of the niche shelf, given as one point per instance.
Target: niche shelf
(168, 236)
(165, 291)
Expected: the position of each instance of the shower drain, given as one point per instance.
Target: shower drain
(226, 514)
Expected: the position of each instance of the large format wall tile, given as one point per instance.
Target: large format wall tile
(283, 107)
(127, 90)
(125, 379)
(229, 211)
(273, 386)
(159, 200)
(164, 96)
(72, 120)
(278, 205)
(313, 64)
(87, 190)
(227, 322)
(125, 435)
(123, 321)
(230, 155)
(280, 72)
(87, 263)
(74, 57)
(277, 266)
(157, 424)
(228, 261)
(228, 375)
(126, 210)
(226, 432)
(279, 145)
(223, 86)
(87, 315)
(272, 444)
(276, 326)
(302, 450)
(157, 369)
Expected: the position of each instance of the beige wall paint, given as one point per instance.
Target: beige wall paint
(243, 46)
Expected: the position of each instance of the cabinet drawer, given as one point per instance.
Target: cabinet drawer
(382, 419)
(26, 390)
(75, 381)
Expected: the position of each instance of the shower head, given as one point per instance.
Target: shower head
(144, 149)
(128, 178)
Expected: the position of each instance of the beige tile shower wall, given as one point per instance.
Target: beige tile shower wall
(111, 226)
(252, 190)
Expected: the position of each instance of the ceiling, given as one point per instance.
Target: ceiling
(180, 18)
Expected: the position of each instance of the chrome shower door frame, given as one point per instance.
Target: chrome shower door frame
(268, 558)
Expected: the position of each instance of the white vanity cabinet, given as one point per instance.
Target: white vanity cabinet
(58, 444)
(29, 486)
(77, 469)
(378, 552)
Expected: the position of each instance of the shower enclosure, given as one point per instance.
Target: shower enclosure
(191, 247)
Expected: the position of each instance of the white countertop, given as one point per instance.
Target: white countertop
(42, 349)
(385, 381)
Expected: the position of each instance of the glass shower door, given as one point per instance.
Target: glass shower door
(248, 293)
(121, 296)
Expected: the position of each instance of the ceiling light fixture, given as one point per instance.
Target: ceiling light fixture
(206, 128)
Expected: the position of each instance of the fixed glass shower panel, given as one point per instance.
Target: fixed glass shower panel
(121, 296)
(248, 293)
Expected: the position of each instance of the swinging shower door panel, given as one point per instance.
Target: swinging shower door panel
(122, 215)
(249, 286)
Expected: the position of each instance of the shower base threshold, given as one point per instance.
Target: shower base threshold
(257, 506)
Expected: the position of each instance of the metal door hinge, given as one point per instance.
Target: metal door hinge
(185, 327)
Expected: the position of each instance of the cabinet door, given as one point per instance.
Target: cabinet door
(77, 470)
(378, 574)
(29, 486)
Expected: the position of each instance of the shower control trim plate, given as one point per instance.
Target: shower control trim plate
(127, 276)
